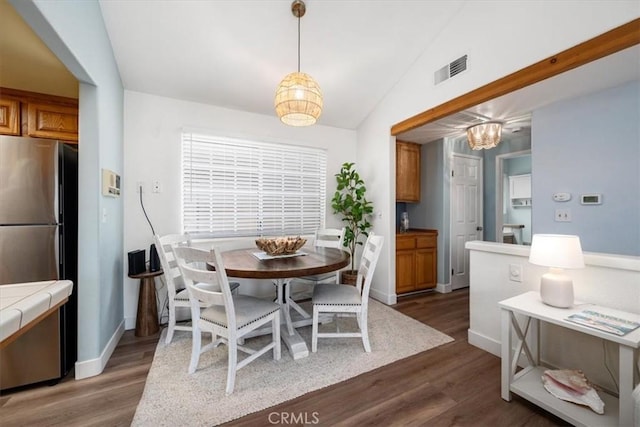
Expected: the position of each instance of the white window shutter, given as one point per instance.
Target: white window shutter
(233, 187)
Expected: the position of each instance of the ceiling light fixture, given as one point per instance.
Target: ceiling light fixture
(484, 135)
(298, 99)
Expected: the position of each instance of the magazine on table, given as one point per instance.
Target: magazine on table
(603, 322)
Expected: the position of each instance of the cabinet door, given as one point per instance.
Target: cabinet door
(405, 271)
(520, 186)
(52, 121)
(407, 172)
(9, 117)
(426, 268)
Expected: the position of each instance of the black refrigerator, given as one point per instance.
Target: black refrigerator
(39, 241)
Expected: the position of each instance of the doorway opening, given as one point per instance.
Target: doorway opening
(513, 198)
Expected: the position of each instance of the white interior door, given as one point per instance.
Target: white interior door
(466, 214)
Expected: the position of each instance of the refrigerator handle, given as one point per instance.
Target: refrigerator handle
(62, 274)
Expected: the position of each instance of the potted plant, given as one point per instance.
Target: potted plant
(350, 202)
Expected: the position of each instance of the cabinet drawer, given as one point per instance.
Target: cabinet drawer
(405, 243)
(426, 242)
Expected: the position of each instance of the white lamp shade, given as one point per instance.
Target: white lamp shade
(556, 250)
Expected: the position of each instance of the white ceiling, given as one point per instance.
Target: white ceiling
(234, 53)
(515, 108)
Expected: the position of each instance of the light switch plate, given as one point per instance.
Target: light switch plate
(515, 272)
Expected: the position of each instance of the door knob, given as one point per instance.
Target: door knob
(478, 228)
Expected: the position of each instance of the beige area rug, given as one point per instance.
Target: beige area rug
(172, 397)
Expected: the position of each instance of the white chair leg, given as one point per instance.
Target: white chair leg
(364, 331)
(169, 336)
(171, 326)
(196, 342)
(233, 361)
(314, 330)
(275, 328)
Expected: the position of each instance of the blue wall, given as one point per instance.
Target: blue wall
(586, 145)
(75, 33)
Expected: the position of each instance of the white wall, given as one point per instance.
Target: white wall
(152, 134)
(527, 32)
(607, 280)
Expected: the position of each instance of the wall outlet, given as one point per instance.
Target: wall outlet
(515, 272)
(139, 186)
(157, 188)
(563, 215)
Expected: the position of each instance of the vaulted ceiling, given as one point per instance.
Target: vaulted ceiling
(234, 53)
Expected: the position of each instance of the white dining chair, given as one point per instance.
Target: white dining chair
(348, 299)
(177, 294)
(227, 317)
(323, 238)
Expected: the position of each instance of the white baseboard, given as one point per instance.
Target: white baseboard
(388, 299)
(129, 323)
(443, 288)
(93, 367)
(485, 343)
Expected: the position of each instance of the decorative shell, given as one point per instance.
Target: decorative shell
(280, 245)
(571, 385)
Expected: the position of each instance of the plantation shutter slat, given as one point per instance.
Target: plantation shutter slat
(233, 187)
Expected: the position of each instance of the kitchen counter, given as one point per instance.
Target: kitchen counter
(416, 232)
(23, 305)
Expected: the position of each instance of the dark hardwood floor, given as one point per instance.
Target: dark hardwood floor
(454, 384)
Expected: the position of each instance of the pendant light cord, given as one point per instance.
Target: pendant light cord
(298, 41)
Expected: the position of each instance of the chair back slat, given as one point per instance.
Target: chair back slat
(164, 247)
(329, 238)
(205, 287)
(368, 261)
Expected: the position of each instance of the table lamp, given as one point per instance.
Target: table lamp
(556, 251)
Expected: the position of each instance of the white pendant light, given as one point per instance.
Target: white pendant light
(298, 100)
(484, 135)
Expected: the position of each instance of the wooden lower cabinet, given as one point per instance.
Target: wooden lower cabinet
(416, 261)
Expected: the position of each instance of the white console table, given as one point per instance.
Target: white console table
(527, 382)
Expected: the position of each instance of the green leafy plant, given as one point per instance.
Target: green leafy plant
(349, 201)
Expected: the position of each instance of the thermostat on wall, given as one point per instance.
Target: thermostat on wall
(591, 199)
(561, 197)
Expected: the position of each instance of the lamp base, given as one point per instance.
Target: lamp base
(556, 289)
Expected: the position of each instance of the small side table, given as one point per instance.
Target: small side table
(147, 316)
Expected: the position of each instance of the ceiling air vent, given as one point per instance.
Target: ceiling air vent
(450, 70)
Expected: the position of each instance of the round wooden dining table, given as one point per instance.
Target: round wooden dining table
(308, 261)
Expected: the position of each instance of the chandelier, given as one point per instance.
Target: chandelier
(484, 135)
(298, 100)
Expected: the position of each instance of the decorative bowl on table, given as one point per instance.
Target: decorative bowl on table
(280, 245)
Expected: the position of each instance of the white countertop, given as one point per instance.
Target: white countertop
(22, 303)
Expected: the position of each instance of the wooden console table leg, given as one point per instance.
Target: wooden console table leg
(147, 317)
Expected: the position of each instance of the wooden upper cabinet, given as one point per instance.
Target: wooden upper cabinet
(38, 115)
(407, 172)
(9, 117)
(52, 121)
